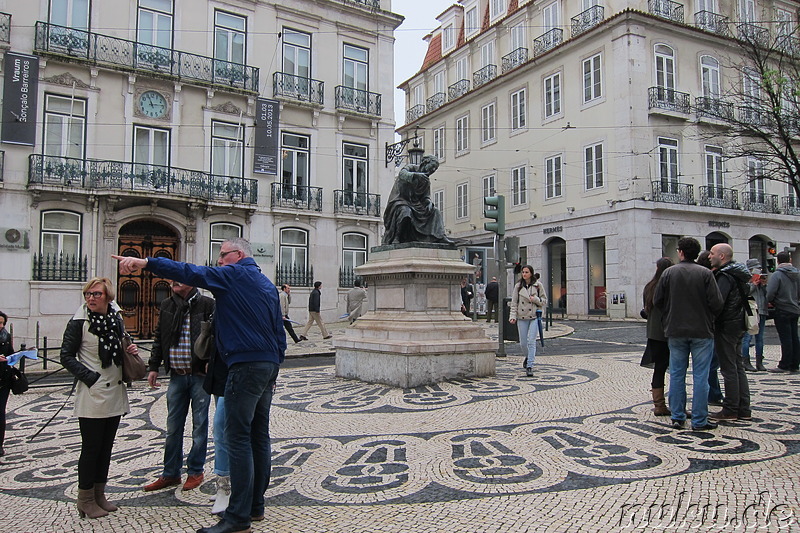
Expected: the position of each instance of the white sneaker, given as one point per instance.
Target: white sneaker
(223, 495)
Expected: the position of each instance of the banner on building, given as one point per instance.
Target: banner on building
(20, 88)
(265, 157)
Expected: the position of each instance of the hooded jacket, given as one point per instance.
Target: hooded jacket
(732, 280)
(783, 289)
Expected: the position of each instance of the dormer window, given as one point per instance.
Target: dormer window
(448, 38)
(497, 8)
(472, 25)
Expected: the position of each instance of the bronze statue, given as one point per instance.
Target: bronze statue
(410, 215)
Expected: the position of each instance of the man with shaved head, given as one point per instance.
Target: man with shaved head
(729, 329)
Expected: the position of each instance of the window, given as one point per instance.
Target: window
(64, 126)
(220, 232)
(227, 149)
(750, 86)
(419, 95)
(295, 162)
(487, 54)
(665, 67)
(61, 235)
(709, 68)
(707, 5)
(472, 26)
(591, 78)
(748, 10)
(784, 23)
(667, 162)
(150, 148)
(462, 69)
(552, 177)
(448, 38)
(552, 95)
(438, 201)
(518, 110)
(438, 82)
(593, 165)
(519, 186)
(551, 17)
(354, 251)
(488, 132)
(296, 63)
(462, 200)
(588, 4)
(518, 36)
(714, 172)
(438, 143)
(496, 8)
(294, 249)
(155, 29)
(356, 67)
(355, 174)
(489, 186)
(755, 178)
(70, 13)
(229, 45)
(462, 134)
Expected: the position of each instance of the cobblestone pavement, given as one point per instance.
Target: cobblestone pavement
(574, 448)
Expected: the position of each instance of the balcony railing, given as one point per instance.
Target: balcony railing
(484, 75)
(710, 21)
(356, 203)
(297, 197)
(294, 275)
(347, 276)
(788, 44)
(369, 4)
(668, 99)
(791, 205)
(298, 88)
(97, 49)
(435, 102)
(5, 28)
(711, 196)
(753, 115)
(547, 41)
(760, 202)
(358, 100)
(753, 33)
(672, 192)
(459, 88)
(713, 108)
(96, 174)
(514, 59)
(666, 9)
(587, 20)
(415, 112)
(59, 267)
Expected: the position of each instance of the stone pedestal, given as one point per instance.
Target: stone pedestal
(414, 332)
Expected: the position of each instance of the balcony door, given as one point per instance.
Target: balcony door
(354, 174)
(296, 63)
(151, 157)
(154, 33)
(229, 47)
(665, 72)
(70, 20)
(64, 132)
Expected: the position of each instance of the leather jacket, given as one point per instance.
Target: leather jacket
(169, 323)
(732, 277)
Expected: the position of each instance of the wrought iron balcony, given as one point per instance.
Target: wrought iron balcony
(711, 196)
(753, 115)
(96, 49)
(435, 102)
(760, 202)
(791, 205)
(144, 179)
(547, 41)
(788, 44)
(459, 88)
(5, 28)
(369, 4)
(666, 9)
(298, 88)
(415, 112)
(753, 33)
(713, 22)
(484, 75)
(587, 20)
(672, 192)
(356, 203)
(713, 108)
(358, 100)
(294, 275)
(59, 267)
(514, 59)
(297, 197)
(668, 99)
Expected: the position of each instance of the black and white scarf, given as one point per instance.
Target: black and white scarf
(106, 328)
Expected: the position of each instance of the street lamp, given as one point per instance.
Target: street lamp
(415, 153)
(394, 152)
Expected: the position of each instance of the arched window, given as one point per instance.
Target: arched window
(61, 234)
(709, 68)
(665, 67)
(293, 267)
(220, 232)
(354, 253)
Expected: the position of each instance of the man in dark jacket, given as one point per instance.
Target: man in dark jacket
(313, 313)
(729, 329)
(688, 296)
(173, 345)
(250, 339)
(783, 291)
(492, 292)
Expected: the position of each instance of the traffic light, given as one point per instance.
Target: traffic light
(772, 261)
(494, 207)
(772, 264)
(771, 250)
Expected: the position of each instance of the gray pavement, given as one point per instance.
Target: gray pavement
(574, 448)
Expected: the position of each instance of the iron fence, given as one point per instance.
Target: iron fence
(753, 33)
(759, 202)
(347, 276)
(435, 102)
(458, 89)
(587, 20)
(672, 192)
(415, 112)
(358, 100)
(484, 75)
(668, 99)
(666, 9)
(356, 203)
(712, 196)
(297, 197)
(791, 205)
(548, 41)
(713, 108)
(298, 88)
(294, 275)
(712, 22)
(514, 59)
(61, 267)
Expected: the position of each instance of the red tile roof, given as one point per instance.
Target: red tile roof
(434, 53)
(513, 5)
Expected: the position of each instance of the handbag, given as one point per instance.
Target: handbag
(133, 367)
(205, 344)
(752, 319)
(19, 382)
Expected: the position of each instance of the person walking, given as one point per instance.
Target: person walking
(313, 313)
(286, 298)
(91, 350)
(492, 292)
(6, 349)
(173, 346)
(688, 296)
(250, 338)
(657, 347)
(355, 299)
(758, 292)
(527, 301)
(783, 291)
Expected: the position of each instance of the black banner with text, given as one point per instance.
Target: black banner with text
(20, 89)
(265, 157)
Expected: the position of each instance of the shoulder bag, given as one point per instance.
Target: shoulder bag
(19, 382)
(205, 344)
(133, 367)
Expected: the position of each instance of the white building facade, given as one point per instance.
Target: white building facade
(587, 115)
(145, 140)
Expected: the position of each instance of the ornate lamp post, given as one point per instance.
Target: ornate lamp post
(394, 152)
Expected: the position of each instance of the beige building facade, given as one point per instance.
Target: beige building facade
(588, 116)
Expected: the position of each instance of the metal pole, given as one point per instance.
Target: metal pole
(502, 275)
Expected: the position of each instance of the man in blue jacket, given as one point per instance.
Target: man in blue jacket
(251, 340)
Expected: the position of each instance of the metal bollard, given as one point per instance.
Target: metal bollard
(44, 353)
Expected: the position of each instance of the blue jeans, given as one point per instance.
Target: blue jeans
(221, 460)
(701, 350)
(182, 391)
(248, 396)
(528, 330)
(762, 321)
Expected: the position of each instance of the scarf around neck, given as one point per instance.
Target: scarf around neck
(106, 328)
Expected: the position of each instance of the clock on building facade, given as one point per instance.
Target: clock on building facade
(153, 104)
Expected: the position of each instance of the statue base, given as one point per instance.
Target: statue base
(414, 332)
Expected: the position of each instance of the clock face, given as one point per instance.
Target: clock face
(153, 104)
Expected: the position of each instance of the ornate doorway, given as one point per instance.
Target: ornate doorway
(141, 293)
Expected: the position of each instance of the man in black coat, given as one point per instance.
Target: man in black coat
(492, 292)
(313, 313)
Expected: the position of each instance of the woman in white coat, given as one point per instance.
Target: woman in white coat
(91, 351)
(527, 298)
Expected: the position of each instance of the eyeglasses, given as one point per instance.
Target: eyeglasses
(223, 254)
(93, 294)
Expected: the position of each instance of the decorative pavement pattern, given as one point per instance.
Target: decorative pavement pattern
(574, 448)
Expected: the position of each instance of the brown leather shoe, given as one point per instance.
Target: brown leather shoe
(193, 481)
(162, 483)
(724, 415)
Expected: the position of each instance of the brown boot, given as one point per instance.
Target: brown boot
(87, 506)
(100, 498)
(659, 402)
